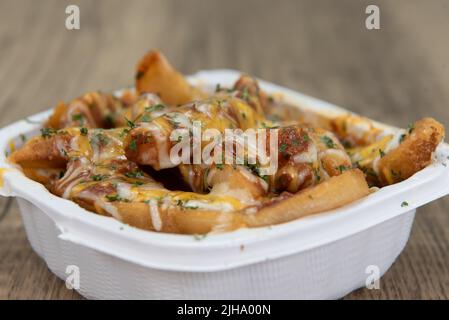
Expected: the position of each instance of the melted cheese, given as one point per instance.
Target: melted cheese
(213, 206)
(337, 153)
(308, 156)
(2, 172)
(155, 215)
(163, 153)
(68, 189)
(357, 128)
(392, 143)
(109, 208)
(124, 191)
(243, 195)
(301, 176)
(12, 146)
(253, 178)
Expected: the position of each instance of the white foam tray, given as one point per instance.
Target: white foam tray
(324, 256)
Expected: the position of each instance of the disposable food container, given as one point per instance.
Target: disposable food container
(324, 256)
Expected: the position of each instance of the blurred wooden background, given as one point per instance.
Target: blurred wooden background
(396, 74)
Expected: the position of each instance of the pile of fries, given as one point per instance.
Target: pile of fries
(111, 154)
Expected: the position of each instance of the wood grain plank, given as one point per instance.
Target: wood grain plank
(395, 75)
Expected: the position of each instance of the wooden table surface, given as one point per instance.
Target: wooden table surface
(396, 74)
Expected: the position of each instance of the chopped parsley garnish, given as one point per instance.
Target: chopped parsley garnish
(402, 138)
(124, 132)
(306, 137)
(137, 183)
(243, 115)
(145, 118)
(23, 137)
(64, 153)
(102, 139)
(245, 94)
(78, 117)
(157, 199)
(113, 198)
(130, 123)
(381, 153)
(254, 168)
(84, 131)
(133, 145)
(283, 148)
(404, 204)
(134, 174)
(155, 107)
(411, 127)
(342, 168)
(327, 141)
(98, 177)
(184, 205)
(48, 132)
(217, 88)
(219, 166)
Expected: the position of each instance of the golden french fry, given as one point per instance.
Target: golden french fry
(40, 153)
(46, 176)
(54, 121)
(184, 221)
(330, 194)
(92, 110)
(156, 75)
(413, 153)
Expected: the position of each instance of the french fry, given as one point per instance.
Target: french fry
(413, 153)
(41, 153)
(156, 75)
(175, 220)
(92, 110)
(330, 194)
(46, 176)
